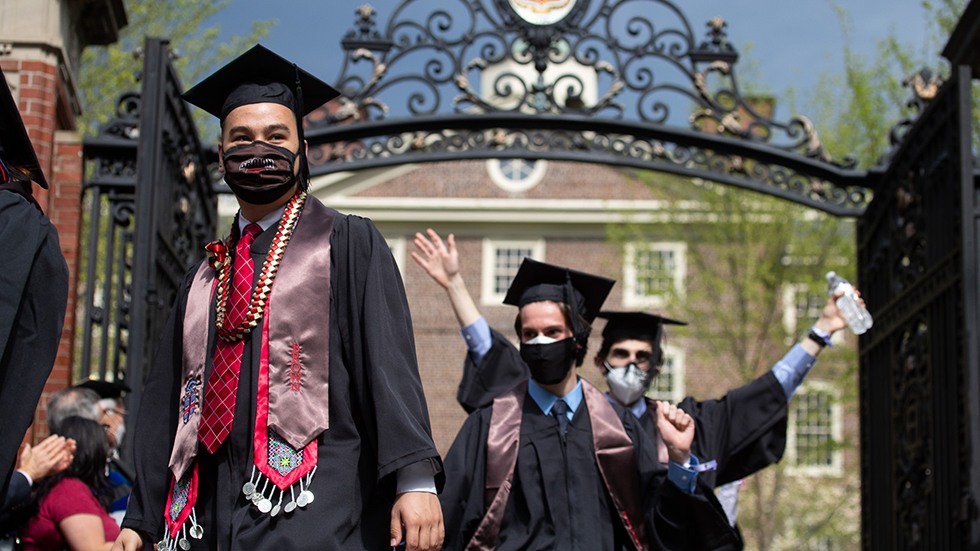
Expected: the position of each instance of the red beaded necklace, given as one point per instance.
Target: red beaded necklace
(220, 261)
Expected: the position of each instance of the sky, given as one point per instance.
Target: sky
(784, 43)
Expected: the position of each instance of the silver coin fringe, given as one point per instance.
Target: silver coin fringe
(263, 498)
(180, 541)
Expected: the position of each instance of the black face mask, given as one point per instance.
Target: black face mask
(549, 363)
(258, 172)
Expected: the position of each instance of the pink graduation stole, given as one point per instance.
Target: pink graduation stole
(291, 408)
(613, 453)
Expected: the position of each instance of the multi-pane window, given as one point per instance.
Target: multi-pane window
(516, 175)
(813, 439)
(516, 169)
(800, 307)
(501, 260)
(669, 384)
(652, 272)
(822, 543)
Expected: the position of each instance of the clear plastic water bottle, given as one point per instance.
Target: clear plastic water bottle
(857, 316)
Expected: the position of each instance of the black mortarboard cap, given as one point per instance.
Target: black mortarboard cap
(634, 325)
(537, 281)
(260, 76)
(15, 145)
(105, 389)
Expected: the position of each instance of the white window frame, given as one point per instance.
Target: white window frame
(488, 292)
(631, 296)
(836, 466)
(791, 322)
(538, 169)
(676, 358)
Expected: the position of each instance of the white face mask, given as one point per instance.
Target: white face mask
(541, 339)
(628, 383)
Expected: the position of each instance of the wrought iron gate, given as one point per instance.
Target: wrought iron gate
(151, 209)
(917, 258)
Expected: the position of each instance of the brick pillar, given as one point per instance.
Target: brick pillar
(50, 124)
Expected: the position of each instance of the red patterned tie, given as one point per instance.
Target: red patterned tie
(219, 398)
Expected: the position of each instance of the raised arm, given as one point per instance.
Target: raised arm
(830, 321)
(440, 260)
(676, 428)
(794, 366)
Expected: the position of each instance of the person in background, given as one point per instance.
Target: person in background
(33, 285)
(113, 420)
(35, 463)
(745, 430)
(72, 402)
(72, 506)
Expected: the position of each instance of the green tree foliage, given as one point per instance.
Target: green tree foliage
(856, 110)
(105, 72)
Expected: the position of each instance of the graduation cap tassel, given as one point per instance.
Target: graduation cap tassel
(573, 308)
(304, 167)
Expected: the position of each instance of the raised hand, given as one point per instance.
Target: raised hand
(676, 427)
(831, 319)
(439, 259)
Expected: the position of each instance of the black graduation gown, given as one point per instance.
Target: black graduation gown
(744, 431)
(558, 499)
(379, 423)
(33, 296)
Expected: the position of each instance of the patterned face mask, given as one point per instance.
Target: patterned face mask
(258, 172)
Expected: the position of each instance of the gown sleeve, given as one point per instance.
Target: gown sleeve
(156, 425)
(744, 431)
(676, 519)
(33, 297)
(462, 499)
(379, 346)
(500, 370)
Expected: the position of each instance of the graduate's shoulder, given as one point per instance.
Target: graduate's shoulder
(18, 214)
(353, 227)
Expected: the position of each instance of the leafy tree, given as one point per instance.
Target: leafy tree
(107, 71)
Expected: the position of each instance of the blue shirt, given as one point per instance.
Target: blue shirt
(790, 370)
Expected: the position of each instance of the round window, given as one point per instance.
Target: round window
(516, 175)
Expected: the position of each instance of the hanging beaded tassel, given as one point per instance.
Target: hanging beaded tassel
(181, 516)
(266, 494)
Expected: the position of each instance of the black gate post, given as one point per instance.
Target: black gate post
(963, 52)
(176, 207)
(152, 210)
(920, 369)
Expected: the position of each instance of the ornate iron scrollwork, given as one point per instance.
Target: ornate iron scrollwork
(148, 218)
(636, 65)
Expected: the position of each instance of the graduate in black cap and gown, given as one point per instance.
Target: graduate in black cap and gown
(33, 285)
(742, 432)
(745, 430)
(552, 464)
(284, 409)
